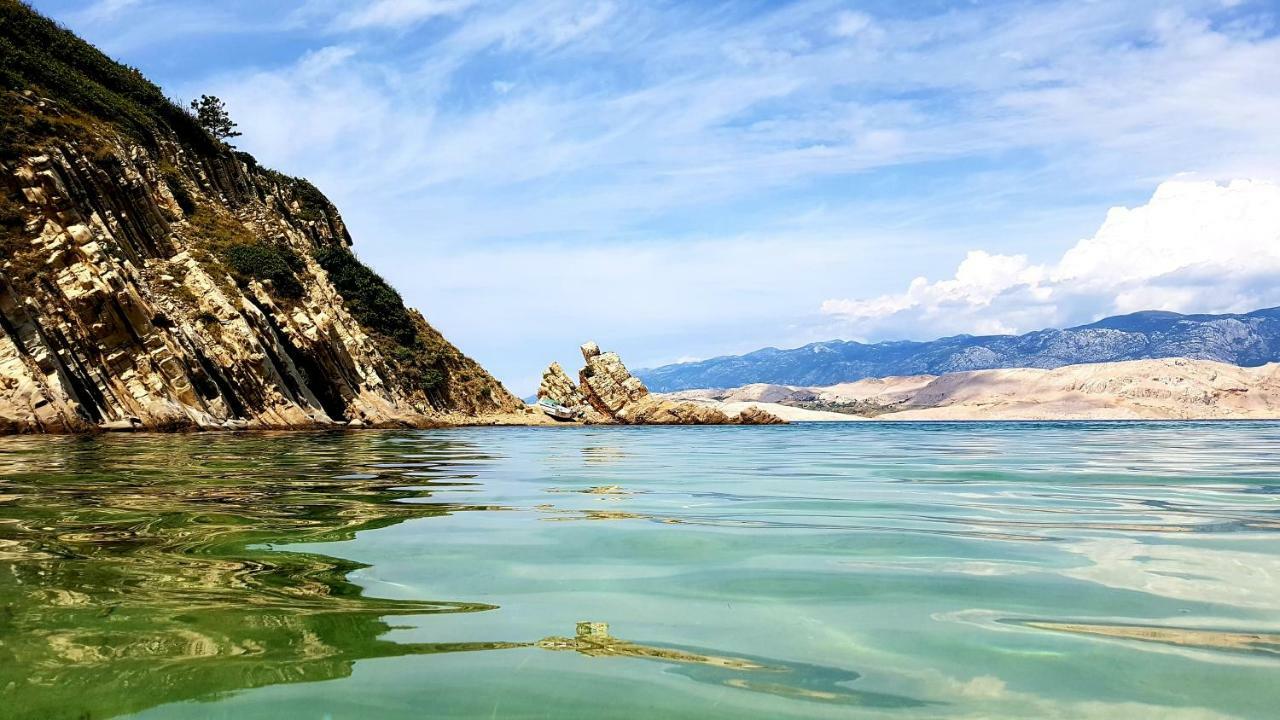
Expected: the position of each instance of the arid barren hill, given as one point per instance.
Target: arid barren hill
(1166, 389)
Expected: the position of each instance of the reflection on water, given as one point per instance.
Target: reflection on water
(133, 563)
(966, 570)
(757, 674)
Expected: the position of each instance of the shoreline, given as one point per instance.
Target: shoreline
(501, 423)
(1169, 390)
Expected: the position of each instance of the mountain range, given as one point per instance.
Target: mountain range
(1247, 339)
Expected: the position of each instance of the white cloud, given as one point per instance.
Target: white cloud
(637, 125)
(398, 14)
(697, 293)
(325, 101)
(850, 23)
(707, 113)
(572, 26)
(1196, 246)
(106, 10)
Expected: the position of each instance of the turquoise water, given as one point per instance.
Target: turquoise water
(968, 570)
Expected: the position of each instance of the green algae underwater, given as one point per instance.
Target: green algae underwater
(822, 570)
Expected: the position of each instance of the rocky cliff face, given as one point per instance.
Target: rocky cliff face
(152, 277)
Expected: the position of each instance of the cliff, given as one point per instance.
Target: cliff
(152, 277)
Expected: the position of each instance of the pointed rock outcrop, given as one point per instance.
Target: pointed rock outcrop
(609, 393)
(558, 387)
(606, 382)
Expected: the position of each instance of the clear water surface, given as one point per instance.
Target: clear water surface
(870, 570)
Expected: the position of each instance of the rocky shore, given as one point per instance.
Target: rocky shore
(607, 393)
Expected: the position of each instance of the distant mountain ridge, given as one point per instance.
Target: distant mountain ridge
(1247, 339)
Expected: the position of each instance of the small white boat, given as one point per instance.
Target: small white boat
(554, 409)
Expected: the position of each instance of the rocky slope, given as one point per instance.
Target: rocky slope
(1248, 340)
(1163, 389)
(152, 277)
(608, 393)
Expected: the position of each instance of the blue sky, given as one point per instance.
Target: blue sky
(680, 180)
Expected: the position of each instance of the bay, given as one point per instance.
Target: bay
(902, 570)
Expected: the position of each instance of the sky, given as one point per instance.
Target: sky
(680, 180)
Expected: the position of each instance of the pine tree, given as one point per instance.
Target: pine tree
(212, 115)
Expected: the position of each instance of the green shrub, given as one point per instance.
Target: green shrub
(427, 379)
(373, 302)
(267, 262)
(312, 204)
(245, 256)
(36, 52)
(27, 128)
(381, 311)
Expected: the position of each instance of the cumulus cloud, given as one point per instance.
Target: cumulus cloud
(1196, 246)
(895, 142)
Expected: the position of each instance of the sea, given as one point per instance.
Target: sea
(822, 570)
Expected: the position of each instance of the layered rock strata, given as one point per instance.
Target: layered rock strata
(153, 278)
(609, 393)
(558, 387)
(607, 385)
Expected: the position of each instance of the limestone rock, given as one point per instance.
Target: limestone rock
(558, 387)
(653, 411)
(755, 416)
(616, 396)
(119, 300)
(606, 383)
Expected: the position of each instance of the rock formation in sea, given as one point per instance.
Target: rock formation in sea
(607, 384)
(608, 393)
(151, 276)
(558, 387)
